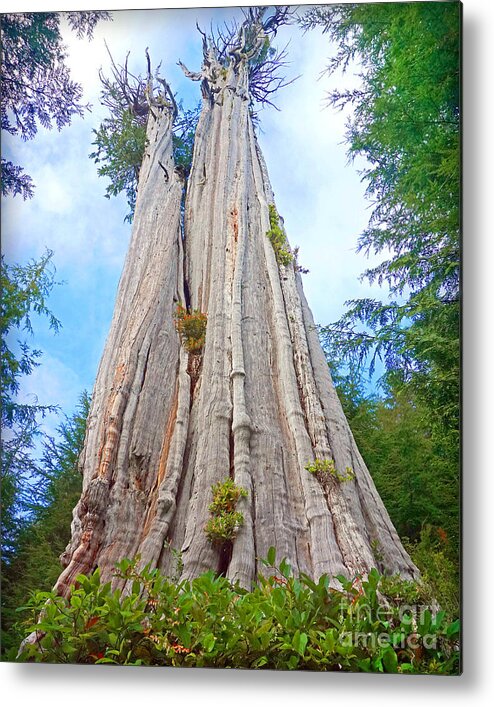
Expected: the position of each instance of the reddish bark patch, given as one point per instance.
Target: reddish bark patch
(234, 213)
(165, 451)
(194, 370)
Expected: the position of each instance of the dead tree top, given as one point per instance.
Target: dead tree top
(248, 42)
(124, 91)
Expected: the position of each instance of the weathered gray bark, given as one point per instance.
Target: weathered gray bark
(257, 404)
(135, 396)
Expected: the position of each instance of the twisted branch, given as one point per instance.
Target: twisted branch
(124, 91)
(248, 42)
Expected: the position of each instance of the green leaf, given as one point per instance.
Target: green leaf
(75, 601)
(299, 642)
(453, 629)
(364, 665)
(260, 662)
(292, 662)
(285, 568)
(344, 581)
(208, 642)
(390, 660)
(271, 556)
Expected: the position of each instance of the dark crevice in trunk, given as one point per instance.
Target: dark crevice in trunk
(145, 368)
(186, 288)
(185, 284)
(253, 512)
(225, 555)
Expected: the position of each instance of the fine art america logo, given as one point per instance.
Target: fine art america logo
(412, 619)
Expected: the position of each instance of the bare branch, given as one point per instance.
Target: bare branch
(194, 75)
(229, 45)
(125, 91)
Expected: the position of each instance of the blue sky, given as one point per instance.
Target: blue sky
(318, 193)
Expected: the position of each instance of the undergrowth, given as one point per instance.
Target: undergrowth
(283, 623)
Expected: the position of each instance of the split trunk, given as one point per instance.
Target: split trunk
(256, 403)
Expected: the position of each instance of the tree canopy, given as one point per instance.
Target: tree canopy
(36, 87)
(405, 122)
(120, 140)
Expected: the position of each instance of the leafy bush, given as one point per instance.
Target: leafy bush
(224, 527)
(277, 238)
(192, 328)
(283, 623)
(325, 468)
(225, 520)
(120, 149)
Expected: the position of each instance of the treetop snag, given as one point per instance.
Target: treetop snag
(124, 91)
(245, 44)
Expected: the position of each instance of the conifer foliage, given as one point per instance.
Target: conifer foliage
(36, 87)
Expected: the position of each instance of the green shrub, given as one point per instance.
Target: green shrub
(325, 468)
(225, 520)
(277, 238)
(191, 327)
(283, 623)
(224, 527)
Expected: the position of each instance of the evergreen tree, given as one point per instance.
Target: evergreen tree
(413, 474)
(35, 562)
(405, 122)
(36, 88)
(24, 293)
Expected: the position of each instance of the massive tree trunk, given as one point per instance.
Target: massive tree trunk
(256, 403)
(135, 397)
